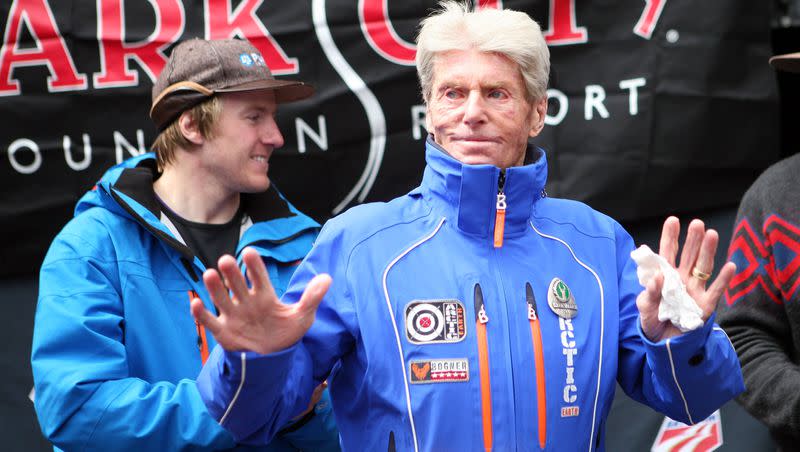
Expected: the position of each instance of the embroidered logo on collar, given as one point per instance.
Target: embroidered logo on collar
(435, 321)
(561, 300)
(439, 370)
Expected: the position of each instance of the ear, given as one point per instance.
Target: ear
(538, 113)
(189, 129)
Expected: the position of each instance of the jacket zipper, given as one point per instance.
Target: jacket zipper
(202, 341)
(500, 211)
(481, 319)
(538, 360)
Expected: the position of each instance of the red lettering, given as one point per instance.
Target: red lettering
(223, 23)
(647, 23)
(50, 49)
(496, 4)
(380, 34)
(115, 53)
(562, 28)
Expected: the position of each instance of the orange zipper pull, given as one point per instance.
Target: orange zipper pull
(500, 220)
(202, 342)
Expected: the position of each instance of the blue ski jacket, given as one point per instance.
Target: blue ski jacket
(115, 348)
(474, 313)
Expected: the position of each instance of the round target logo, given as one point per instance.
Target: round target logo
(434, 321)
(424, 322)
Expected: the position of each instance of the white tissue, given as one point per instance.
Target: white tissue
(676, 304)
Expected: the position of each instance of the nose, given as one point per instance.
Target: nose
(474, 109)
(271, 135)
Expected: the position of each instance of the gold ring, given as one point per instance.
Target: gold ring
(702, 276)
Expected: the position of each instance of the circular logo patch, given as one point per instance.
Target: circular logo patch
(424, 322)
(561, 300)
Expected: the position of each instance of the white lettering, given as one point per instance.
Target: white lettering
(567, 335)
(87, 153)
(33, 147)
(595, 95)
(633, 98)
(303, 129)
(569, 353)
(120, 142)
(569, 350)
(418, 113)
(563, 107)
(570, 394)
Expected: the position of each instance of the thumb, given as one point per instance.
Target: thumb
(314, 293)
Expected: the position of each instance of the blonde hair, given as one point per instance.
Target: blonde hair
(205, 114)
(456, 26)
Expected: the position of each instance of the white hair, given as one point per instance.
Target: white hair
(456, 26)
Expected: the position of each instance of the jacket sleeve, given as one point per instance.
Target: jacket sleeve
(85, 398)
(755, 317)
(686, 377)
(254, 396)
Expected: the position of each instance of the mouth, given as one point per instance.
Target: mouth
(478, 139)
(260, 158)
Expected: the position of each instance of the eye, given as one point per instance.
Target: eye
(451, 94)
(497, 94)
(254, 117)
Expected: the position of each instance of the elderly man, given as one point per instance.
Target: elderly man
(475, 312)
(115, 351)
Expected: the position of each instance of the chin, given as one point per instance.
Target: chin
(257, 187)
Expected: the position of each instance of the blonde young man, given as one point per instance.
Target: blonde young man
(475, 312)
(115, 348)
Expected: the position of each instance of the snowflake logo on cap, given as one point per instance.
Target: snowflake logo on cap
(246, 59)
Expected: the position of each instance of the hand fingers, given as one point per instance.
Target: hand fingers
(651, 294)
(705, 260)
(217, 291)
(714, 292)
(668, 247)
(257, 273)
(233, 277)
(691, 248)
(204, 317)
(313, 294)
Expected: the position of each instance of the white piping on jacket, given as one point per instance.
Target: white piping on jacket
(396, 331)
(238, 390)
(675, 377)
(602, 325)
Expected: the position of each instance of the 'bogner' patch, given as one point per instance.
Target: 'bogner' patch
(435, 321)
(439, 370)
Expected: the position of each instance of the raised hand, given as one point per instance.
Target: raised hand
(696, 267)
(255, 319)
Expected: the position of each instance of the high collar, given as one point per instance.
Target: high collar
(467, 194)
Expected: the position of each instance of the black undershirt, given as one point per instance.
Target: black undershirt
(208, 241)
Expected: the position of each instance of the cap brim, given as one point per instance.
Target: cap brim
(789, 62)
(285, 90)
(168, 107)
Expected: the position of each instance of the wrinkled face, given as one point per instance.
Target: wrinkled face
(244, 136)
(478, 111)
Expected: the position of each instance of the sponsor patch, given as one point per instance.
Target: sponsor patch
(570, 411)
(435, 321)
(439, 370)
(561, 300)
(704, 436)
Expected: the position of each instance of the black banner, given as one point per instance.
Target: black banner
(657, 106)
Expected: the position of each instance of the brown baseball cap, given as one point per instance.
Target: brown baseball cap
(197, 69)
(789, 62)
